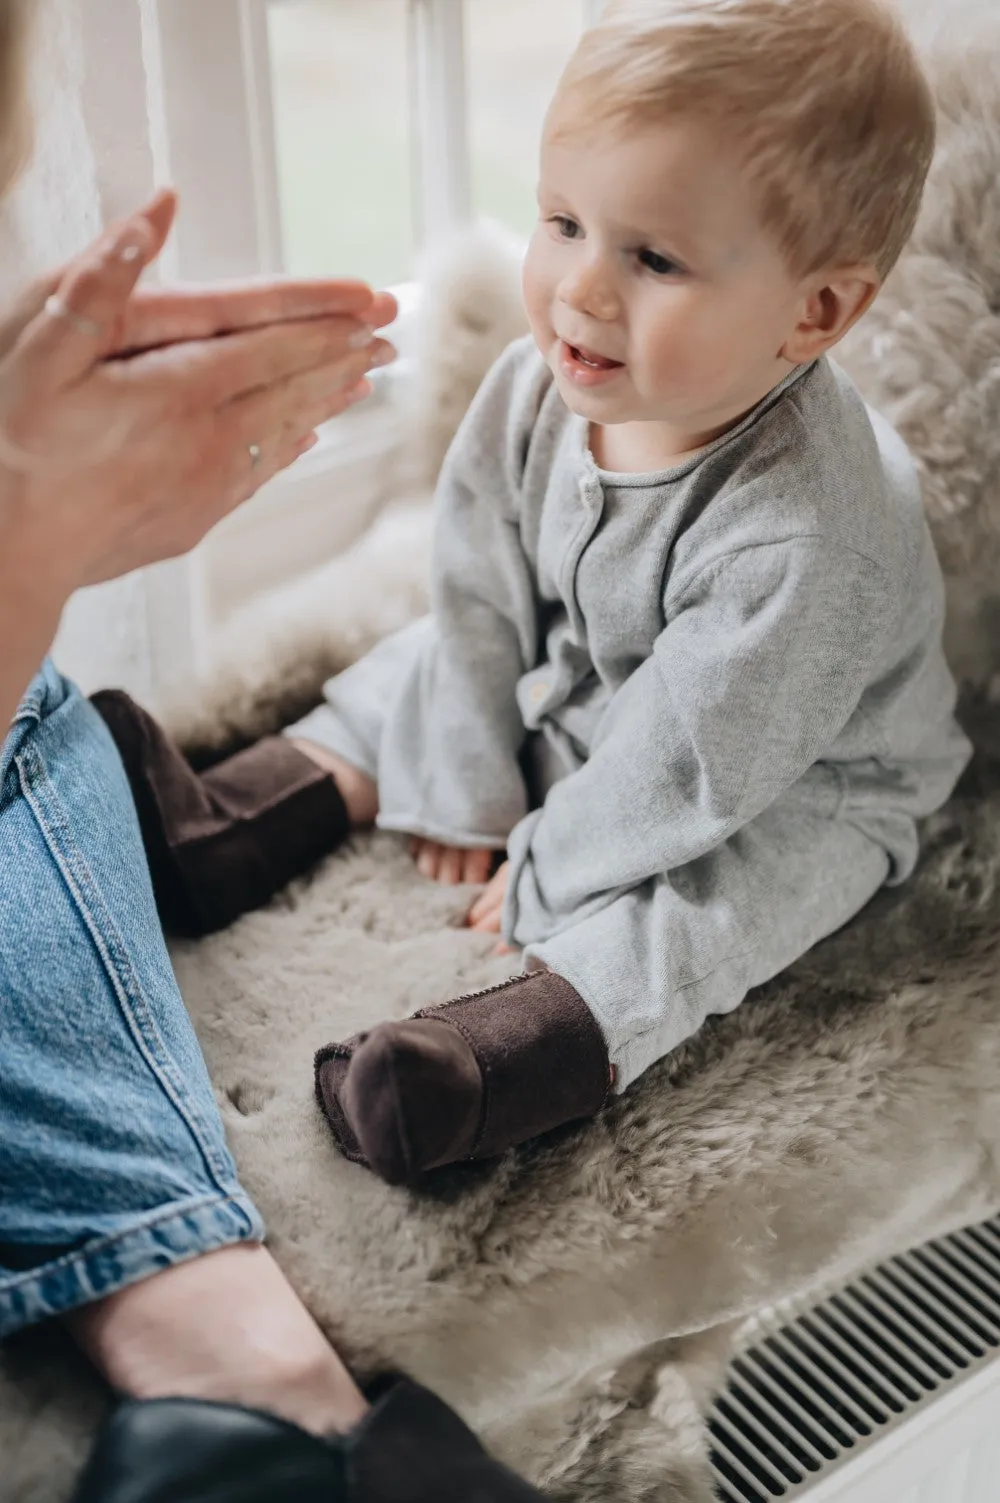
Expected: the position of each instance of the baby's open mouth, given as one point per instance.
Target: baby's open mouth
(595, 361)
(586, 368)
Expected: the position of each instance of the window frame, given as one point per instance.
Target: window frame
(191, 56)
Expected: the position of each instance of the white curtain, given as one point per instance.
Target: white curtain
(54, 211)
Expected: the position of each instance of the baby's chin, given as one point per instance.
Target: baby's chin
(599, 404)
(597, 409)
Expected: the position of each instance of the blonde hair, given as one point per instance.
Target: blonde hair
(824, 100)
(15, 115)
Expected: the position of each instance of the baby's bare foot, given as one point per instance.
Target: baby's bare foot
(357, 789)
(451, 864)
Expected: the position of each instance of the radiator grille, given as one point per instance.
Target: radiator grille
(815, 1386)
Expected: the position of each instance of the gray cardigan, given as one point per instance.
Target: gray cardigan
(688, 645)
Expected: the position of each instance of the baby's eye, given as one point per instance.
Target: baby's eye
(663, 266)
(568, 228)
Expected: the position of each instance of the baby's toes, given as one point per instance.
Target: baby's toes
(429, 859)
(451, 866)
(478, 866)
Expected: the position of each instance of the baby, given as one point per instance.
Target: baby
(684, 660)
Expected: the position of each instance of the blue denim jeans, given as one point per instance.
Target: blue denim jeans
(113, 1162)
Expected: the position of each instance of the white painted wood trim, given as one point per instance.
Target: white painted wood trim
(943, 1439)
(181, 92)
(207, 82)
(124, 110)
(443, 172)
(263, 138)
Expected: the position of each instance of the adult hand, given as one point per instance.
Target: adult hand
(112, 459)
(168, 315)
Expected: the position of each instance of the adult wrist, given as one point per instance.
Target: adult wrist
(34, 587)
(32, 560)
(33, 570)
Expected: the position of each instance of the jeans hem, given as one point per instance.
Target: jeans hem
(106, 1265)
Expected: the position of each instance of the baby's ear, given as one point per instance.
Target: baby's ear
(832, 302)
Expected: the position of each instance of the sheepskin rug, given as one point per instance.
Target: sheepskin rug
(576, 1300)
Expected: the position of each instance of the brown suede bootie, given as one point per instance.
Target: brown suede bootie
(465, 1080)
(221, 842)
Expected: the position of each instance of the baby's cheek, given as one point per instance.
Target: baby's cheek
(538, 294)
(674, 363)
(540, 323)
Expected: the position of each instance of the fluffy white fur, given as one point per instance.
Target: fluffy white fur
(928, 353)
(576, 1300)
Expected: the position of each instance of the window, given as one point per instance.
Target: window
(339, 72)
(415, 113)
(314, 136)
(515, 52)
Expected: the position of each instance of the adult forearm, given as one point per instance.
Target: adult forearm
(31, 602)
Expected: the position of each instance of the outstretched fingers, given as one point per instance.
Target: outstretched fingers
(225, 369)
(79, 321)
(303, 402)
(159, 316)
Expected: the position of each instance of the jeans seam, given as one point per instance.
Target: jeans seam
(39, 793)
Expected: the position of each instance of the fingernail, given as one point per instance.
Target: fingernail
(308, 443)
(130, 252)
(361, 338)
(358, 393)
(384, 355)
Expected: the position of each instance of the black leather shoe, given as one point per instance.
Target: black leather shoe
(409, 1448)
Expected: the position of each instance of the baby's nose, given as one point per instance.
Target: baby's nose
(592, 291)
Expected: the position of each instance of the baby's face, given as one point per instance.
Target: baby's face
(653, 290)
